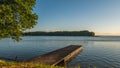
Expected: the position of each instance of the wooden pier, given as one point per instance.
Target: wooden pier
(58, 56)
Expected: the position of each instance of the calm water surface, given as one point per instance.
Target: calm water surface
(102, 52)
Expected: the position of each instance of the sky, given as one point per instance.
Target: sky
(99, 16)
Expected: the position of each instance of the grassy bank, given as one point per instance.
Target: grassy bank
(4, 64)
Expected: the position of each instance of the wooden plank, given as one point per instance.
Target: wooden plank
(55, 57)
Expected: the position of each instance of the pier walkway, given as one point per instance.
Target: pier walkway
(58, 56)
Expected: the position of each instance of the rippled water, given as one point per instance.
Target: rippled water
(100, 52)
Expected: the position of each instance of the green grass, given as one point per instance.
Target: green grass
(4, 64)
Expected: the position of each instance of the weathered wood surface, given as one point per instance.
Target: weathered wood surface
(57, 56)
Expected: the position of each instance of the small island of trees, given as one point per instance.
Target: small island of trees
(60, 33)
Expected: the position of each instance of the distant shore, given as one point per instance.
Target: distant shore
(60, 33)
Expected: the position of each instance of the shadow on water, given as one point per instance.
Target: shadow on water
(10, 59)
(7, 59)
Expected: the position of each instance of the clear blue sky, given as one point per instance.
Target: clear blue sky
(100, 16)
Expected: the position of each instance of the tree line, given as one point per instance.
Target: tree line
(60, 33)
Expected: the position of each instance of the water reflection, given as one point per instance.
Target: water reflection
(102, 52)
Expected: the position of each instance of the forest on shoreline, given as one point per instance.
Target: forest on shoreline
(60, 33)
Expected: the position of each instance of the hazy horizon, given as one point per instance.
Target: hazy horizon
(99, 16)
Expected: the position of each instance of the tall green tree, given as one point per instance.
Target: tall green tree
(16, 16)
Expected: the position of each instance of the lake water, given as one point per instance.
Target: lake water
(102, 52)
